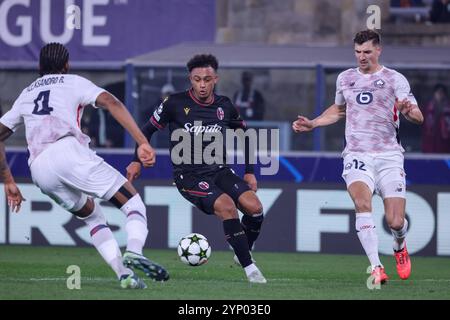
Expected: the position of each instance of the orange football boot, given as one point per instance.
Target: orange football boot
(379, 276)
(403, 263)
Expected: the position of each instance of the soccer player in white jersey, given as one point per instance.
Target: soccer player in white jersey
(371, 97)
(64, 168)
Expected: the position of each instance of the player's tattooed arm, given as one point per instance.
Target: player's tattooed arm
(12, 192)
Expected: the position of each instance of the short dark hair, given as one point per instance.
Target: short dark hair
(53, 58)
(367, 35)
(203, 61)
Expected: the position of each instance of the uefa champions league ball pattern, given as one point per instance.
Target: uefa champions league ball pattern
(194, 249)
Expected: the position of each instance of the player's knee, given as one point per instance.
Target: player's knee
(225, 208)
(229, 211)
(363, 205)
(250, 204)
(85, 210)
(254, 208)
(397, 223)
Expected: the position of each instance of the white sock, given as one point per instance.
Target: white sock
(104, 241)
(249, 269)
(368, 237)
(399, 237)
(136, 225)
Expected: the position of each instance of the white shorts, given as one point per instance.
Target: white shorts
(67, 172)
(383, 172)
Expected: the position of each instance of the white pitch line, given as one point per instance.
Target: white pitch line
(65, 279)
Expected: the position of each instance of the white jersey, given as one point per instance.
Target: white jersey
(372, 120)
(51, 108)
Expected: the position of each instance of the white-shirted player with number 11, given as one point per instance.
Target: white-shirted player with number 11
(64, 168)
(371, 97)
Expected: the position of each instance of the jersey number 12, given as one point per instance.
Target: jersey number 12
(41, 103)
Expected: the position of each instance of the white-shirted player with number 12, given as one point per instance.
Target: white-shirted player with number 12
(371, 97)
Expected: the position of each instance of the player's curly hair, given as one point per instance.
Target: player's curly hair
(367, 35)
(53, 58)
(203, 61)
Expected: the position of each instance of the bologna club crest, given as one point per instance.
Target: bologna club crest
(220, 113)
(203, 185)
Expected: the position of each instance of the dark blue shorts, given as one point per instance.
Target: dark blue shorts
(203, 190)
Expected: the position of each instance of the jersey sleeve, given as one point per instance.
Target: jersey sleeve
(236, 121)
(161, 116)
(339, 98)
(402, 90)
(12, 119)
(89, 92)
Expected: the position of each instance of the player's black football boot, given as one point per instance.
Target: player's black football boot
(152, 270)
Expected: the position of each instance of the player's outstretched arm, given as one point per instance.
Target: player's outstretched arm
(134, 168)
(12, 192)
(120, 113)
(5, 173)
(411, 111)
(331, 115)
(108, 102)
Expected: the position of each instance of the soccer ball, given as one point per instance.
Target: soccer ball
(194, 249)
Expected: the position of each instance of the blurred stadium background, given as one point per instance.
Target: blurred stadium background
(294, 49)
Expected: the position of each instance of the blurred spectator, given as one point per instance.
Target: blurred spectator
(436, 126)
(440, 11)
(409, 11)
(96, 125)
(406, 3)
(146, 113)
(248, 100)
(100, 126)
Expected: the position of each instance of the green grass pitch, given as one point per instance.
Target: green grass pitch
(40, 273)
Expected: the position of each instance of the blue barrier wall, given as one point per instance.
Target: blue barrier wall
(306, 206)
(300, 168)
